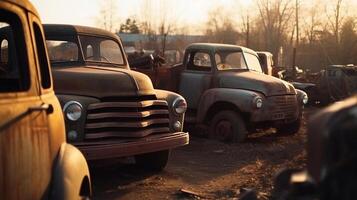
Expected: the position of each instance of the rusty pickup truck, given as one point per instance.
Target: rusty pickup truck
(36, 162)
(228, 94)
(111, 111)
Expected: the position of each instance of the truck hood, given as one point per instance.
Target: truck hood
(254, 81)
(100, 81)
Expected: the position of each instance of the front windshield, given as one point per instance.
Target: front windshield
(227, 60)
(253, 62)
(98, 49)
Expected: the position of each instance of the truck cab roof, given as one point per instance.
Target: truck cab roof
(66, 29)
(25, 4)
(219, 47)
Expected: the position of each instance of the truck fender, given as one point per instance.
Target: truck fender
(170, 97)
(241, 99)
(71, 177)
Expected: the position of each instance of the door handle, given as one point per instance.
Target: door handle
(43, 107)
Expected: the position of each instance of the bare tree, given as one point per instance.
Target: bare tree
(107, 18)
(335, 20)
(312, 22)
(275, 18)
(220, 28)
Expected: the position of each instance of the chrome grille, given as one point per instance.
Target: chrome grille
(284, 107)
(126, 117)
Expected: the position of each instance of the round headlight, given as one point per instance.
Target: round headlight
(72, 110)
(258, 102)
(305, 99)
(179, 106)
(177, 126)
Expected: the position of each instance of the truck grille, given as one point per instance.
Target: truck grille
(126, 117)
(284, 107)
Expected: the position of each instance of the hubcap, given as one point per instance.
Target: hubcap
(224, 130)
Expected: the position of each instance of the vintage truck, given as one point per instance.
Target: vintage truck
(227, 93)
(111, 111)
(35, 160)
(267, 63)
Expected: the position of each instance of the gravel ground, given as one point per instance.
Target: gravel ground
(207, 168)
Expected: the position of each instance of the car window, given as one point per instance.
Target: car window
(14, 72)
(199, 61)
(62, 51)
(227, 60)
(42, 57)
(89, 51)
(98, 49)
(253, 62)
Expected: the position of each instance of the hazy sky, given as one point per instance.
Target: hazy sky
(187, 12)
(86, 12)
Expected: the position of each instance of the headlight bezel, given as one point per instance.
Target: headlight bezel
(177, 103)
(67, 106)
(258, 102)
(305, 99)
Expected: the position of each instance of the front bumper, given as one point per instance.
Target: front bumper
(116, 148)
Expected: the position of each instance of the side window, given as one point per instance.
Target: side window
(42, 57)
(14, 72)
(4, 56)
(89, 51)
(200, 61)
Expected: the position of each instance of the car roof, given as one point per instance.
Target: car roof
(67, 29)
(25, 4)
(219, 47)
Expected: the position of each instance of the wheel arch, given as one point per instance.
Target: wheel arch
(221, 106)
(217, 99)
(71, 178)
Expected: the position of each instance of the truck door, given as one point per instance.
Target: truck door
(25, 163)
(47, 95)
(196, 78)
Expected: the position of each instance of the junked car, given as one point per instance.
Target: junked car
(111, 111)
(228, 94)
(36, 162)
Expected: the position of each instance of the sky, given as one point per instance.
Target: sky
(87, 12)
(191, 13)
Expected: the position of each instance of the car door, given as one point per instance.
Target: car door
(25, 161)
(54, 113)
(196, 78)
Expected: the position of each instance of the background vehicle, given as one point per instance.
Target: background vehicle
(227, 92)
(111, 111)
(267, 63)
(332, 157)
(35, 160)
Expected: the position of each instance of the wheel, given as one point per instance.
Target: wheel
(228, 126)
(155, 161)
(290, 128)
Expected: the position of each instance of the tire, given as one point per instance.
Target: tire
(227, 126)
(155, 161)
(290, 128)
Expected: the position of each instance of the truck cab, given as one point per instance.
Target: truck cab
(227, 93)
(111, 111)
(35, 160)
(267, 63)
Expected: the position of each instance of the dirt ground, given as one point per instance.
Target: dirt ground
(210, 169)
